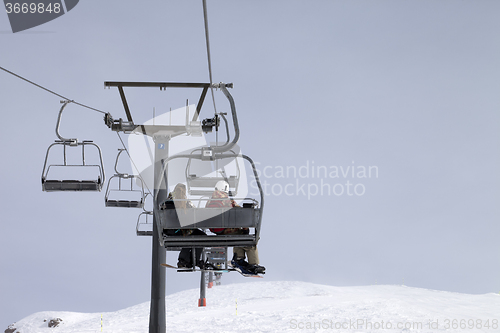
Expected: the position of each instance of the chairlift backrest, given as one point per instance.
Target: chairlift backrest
(205, 185)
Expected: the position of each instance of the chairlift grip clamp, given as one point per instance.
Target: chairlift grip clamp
(222, 84)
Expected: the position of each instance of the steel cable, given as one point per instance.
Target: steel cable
(50, 91)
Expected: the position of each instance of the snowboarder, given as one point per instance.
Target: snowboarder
(220, 198)
(185, 259)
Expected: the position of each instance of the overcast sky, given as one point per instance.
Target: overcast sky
(408, 90)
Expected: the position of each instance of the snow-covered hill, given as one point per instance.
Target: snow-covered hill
(286, 306)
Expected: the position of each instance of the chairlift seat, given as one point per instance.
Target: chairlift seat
(124, 203)
(71, 185)
(144, 233)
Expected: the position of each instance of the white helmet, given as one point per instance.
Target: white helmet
(222, 186)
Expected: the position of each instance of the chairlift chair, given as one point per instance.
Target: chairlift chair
(144, 224)
(116, 187)
(165, 215)
(53, 185)
(249, 215)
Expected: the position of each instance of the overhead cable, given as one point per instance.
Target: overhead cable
(205, 15)
(50, 91)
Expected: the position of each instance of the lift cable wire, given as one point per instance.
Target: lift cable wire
(207, 38)
(205, 15)
(50, 91)
(135, 166)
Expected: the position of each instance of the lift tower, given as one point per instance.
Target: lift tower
(161, 135)
(246, 218)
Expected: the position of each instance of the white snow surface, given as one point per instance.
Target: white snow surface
(288, 306)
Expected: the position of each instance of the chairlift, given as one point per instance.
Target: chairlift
(144, 224)
(249, 215)
(54, 184)
(122, 185)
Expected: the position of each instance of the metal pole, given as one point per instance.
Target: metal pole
(210, 279)
(202, 301)
(157, 312)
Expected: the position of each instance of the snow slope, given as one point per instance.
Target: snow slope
(286, 306)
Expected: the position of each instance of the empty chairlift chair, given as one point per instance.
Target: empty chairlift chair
(124, 190)
(144, 224)
(65, 181)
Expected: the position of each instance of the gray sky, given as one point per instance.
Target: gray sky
(409, 88)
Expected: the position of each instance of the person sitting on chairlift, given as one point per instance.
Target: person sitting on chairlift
(179, 198)
(220, 199)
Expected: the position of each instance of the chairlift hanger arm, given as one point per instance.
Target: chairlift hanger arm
(226, 147)
(72, 142)
(227, 128)
(120, 151)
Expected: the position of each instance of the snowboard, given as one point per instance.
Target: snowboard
(242, 270)
(185, 269)
(234, 267)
